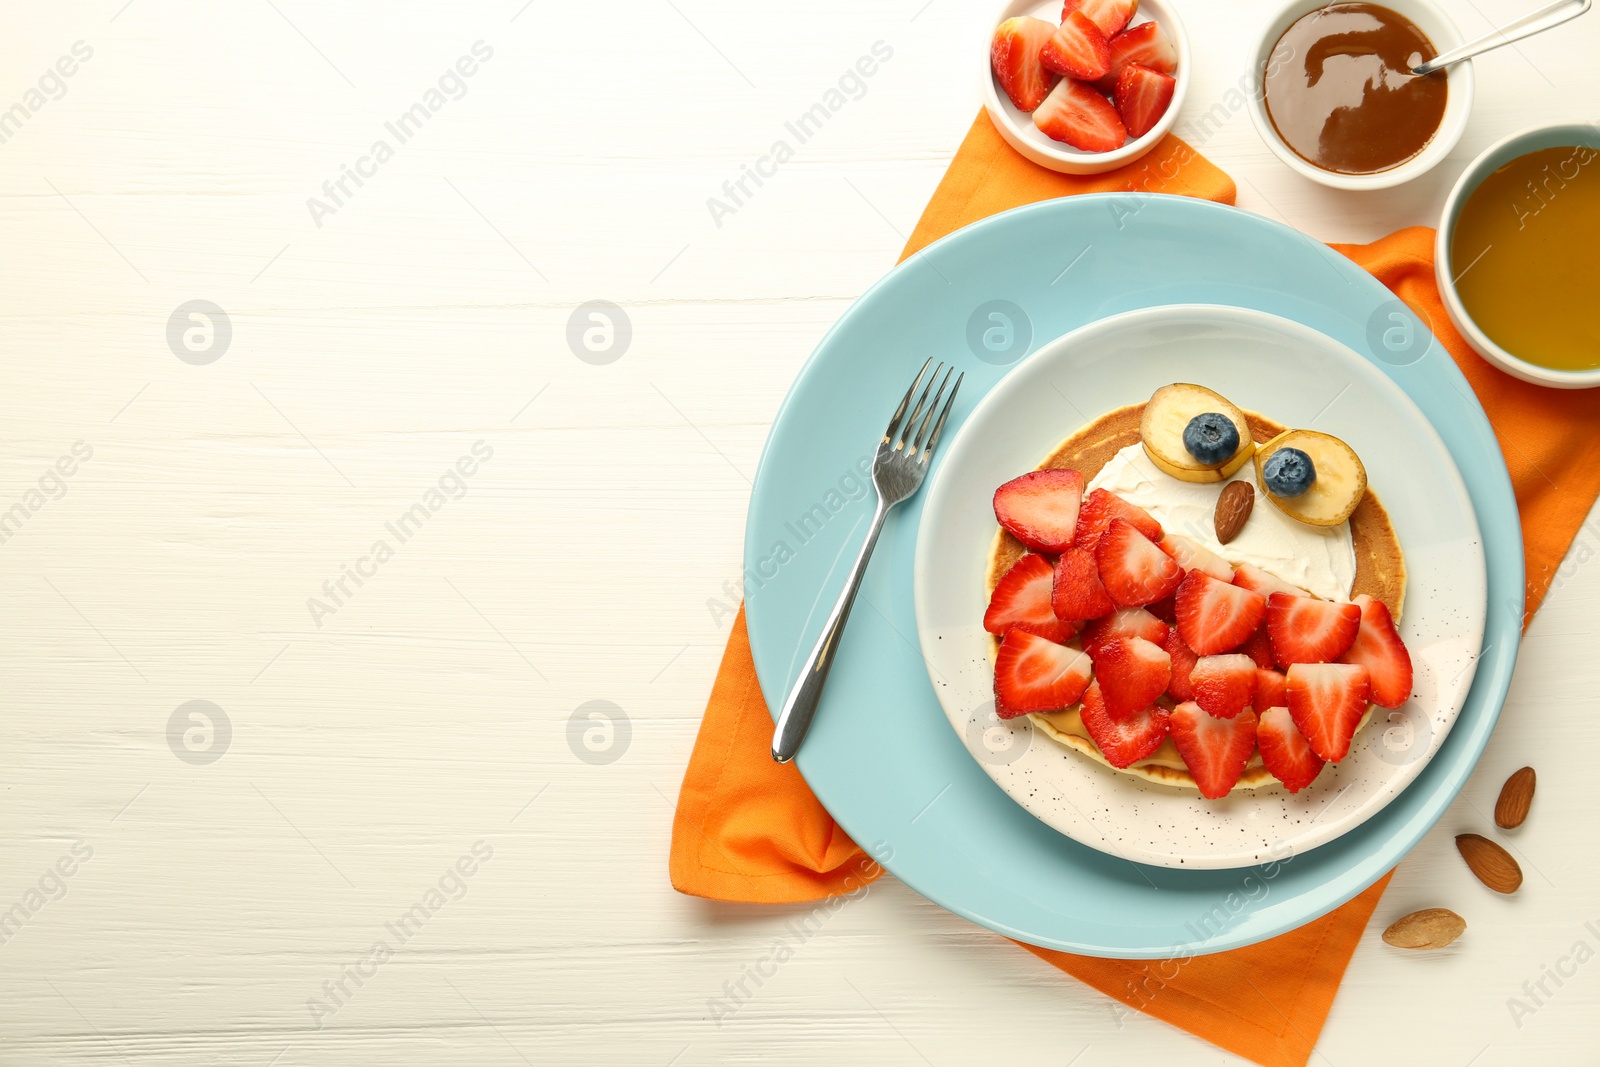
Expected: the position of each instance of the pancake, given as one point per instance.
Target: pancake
(1380, 573)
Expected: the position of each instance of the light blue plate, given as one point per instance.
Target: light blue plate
(881, 755)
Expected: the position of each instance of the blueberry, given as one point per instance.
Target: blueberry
(1288, 472)
(1211, 438)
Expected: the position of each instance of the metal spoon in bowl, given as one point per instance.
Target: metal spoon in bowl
(1526, 26)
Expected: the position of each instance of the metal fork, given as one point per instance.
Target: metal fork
(897, 473)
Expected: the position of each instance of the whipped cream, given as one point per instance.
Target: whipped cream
(1321, 559)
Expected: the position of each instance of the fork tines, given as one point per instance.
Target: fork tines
(898, 431)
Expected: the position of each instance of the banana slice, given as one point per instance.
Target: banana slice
(1340, 483)
(1168, 414)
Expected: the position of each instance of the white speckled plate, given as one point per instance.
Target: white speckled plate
(1290, 373)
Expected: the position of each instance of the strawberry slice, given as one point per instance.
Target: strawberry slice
(1165, 609)
(1253, 578)
(1041, 508)
(1021, 601)
(1284, 750)
(1145, 45)
(1215, 750)
(1078, 48)
(1191, 555)
(1379, 649)
(1142, 96)
(1259, 648)
(1014, 55)
(1035, 674)
(1307, 630)
(1327, 701)
(1126, 742)
(1132, 672)
(1112, 16)
(1224, 685)
(1214, 616)
(1075, 114)
(1270, 691)
(1133, 570)
(1099, 508)
(1124, 622)
(1183, 661)
(1076, 592)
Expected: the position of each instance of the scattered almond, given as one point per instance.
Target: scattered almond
(1492, 864)
(1233, 508)
(1516, 796)
(1428, 928)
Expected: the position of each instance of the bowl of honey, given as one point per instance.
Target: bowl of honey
(1335, 98)
(1517, 255)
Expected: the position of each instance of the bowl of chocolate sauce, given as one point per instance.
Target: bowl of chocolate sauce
(1336, 100)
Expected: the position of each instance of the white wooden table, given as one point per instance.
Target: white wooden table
(224, 876)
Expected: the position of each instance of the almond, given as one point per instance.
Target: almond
(1516, 796)
(1233, 507)
(1428, 928)
(1492, 864)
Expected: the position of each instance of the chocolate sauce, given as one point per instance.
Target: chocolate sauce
(1340, 92)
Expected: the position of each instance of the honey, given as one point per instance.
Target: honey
(1525, 257)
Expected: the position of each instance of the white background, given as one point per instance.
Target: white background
(430, 711)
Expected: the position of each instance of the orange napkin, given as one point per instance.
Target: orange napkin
(748, 829)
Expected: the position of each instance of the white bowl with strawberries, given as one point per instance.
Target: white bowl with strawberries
(1085, 86)
(1153, 666)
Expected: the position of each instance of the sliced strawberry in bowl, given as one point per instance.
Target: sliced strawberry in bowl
(1035, 674)
(1128, 741)
(1284, 750)
(1215, 750)
(1077, 48)
(1021, 600)
(1224, 685)
(1112, 16)
(1191, 555)
(1076, 592)
(1142, 96)
(1270, 690)
(1378, 648)
(1040, 508)
(1075, 114)
(1133, 568)
(1258, 646)
(1327, 701)
(1249, 576)
(1307, 630)
(1183, 661)
(1145, 45)
(1124, 622)
(1215, 616)
(1100, 507)
(1132, 673)
(1014, 56)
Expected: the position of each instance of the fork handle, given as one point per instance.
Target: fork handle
(801, 706)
